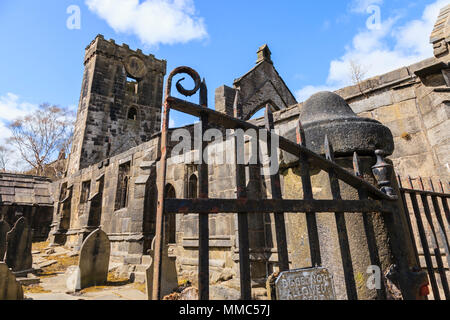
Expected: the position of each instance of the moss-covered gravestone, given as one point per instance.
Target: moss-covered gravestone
(4, 229)
(18, 246)
(10, 289)
(94, 259)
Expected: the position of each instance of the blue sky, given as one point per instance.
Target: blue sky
(311, 42)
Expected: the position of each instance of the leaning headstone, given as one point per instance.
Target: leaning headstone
(4, 229)
(169, 279)
(305, 284)
(10, 289)
(18, 247)
(94, 259)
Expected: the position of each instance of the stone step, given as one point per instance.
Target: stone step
(26, 281)
(47, 263)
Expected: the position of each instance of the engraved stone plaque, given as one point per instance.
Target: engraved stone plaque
(135, 67)
(305, 284)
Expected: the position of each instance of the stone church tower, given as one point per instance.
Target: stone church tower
(120, 102)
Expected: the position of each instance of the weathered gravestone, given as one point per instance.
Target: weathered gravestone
(10, 289)
(305, 284)
(94, 259)
(169, 279)
(4, 229)
(73, 282)
(18, 247)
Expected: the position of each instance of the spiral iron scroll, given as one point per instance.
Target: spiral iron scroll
(189, 71)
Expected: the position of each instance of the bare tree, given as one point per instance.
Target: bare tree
(4, 159)
(358, 74)
(41, 135)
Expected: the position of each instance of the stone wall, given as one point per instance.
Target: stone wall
(30, 196)
(414, 102)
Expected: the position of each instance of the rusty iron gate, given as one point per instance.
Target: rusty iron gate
(426, 230)
(371, 199)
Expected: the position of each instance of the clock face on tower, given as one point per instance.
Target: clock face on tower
(135, 67)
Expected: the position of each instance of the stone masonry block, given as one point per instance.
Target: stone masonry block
(373, 102)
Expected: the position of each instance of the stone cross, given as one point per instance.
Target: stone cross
(94, 259)
(10, 289)
(4, 229)
(169, 279)
(18, 246)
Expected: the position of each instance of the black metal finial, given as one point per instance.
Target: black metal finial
(356, 165)
(268, 118)
(329, 153)
(301, 140)
(203, 94)
(237, 107)
(382, 172)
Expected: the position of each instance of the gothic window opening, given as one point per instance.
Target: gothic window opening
(170, 220)
(150, 208)
(85, 190)
(63, 192)
(64, 224)
(122, 186)
(95, 212)
(132, 114)
(192, 187)
(132, 86)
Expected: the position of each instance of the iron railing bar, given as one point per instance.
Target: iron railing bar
(424, 242)
(408, 219)
(369, 230)
(434, 241)
(203, 221)
(228, 122)
(243, 231)
(311, 221)
(429, 193)
(445, 205)
(275, 184)
(344, 245)
(216, 206)
(446, 210)
(161, 181)
(441, 226)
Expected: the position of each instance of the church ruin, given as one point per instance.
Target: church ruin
(111, 174)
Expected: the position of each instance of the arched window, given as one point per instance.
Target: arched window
(132, 114)
(122, 186)
(192, 187)
(150, 207)
(170, 220)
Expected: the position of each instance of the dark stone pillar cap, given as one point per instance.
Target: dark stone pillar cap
(326, 113)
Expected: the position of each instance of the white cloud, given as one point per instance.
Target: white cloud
(11, 108)
(382, 50)
(304, 93)
(154, 22)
